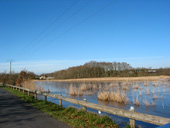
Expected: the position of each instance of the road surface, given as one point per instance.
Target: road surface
(15, 113)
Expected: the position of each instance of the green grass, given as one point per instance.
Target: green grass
(71, 116)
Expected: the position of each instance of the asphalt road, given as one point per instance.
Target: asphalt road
(15, 113)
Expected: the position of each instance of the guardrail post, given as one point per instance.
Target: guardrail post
(28, 92)
(23, 90)
(85, 108)
(60, 101)
(45, 98)
(132, 121)
(35, 95)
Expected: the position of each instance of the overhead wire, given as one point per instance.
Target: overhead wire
(84, 20)
(47, 27)
(66, 20)
(74, 26)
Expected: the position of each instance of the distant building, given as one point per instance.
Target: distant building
(152, 71)
(43, 77)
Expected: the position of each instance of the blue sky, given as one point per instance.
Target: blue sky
(48, 35)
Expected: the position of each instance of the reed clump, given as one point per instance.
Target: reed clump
(125, 87)
(103, 95)
(136, 102)
(153, 104)
(146, 83)
(85, 87)
(146, 103)
(73, 91)
(113, 96)
(155, 97)
(136, 87)
(29, 84)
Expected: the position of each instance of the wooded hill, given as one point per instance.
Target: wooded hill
(106, 69)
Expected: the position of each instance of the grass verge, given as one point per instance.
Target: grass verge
(71, 116)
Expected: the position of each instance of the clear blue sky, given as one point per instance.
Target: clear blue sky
(48, 35)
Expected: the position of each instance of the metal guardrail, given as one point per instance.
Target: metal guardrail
(119, 112)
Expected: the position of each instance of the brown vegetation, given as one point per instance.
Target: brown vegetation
(113, 96)
(24, 76)
(146, 103)
(136, 102)
(29, 84)
(73, 91)
(95, 69)
(116, 79)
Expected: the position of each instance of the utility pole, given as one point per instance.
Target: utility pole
(10, 61)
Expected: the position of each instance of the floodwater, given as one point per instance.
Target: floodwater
(153, 96)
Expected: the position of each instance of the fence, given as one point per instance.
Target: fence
(157, 120)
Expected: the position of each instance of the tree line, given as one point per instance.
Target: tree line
(95, 69)
(91, 69)
(16, 78)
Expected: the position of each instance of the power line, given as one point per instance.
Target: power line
(73, 27)
(90, 16)
(31, 42)
(65, 20)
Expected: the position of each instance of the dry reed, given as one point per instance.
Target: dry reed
(136, 102)
(29, 84)
(146, 103)
(113, 96)
(125, 88)
(146, 83)
(153, 104)
(146, 78)
(136, 87)
(74, 91)
(155, 97)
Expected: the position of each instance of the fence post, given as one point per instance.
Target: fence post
(28, 92)
(60, 101)
(132, 121)
(85, 108)
(23, 90)
(35, 95)
(45, 98)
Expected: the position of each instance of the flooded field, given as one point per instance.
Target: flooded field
(150, 97)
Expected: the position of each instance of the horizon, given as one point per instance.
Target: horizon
(48, 35)
(33, 65)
